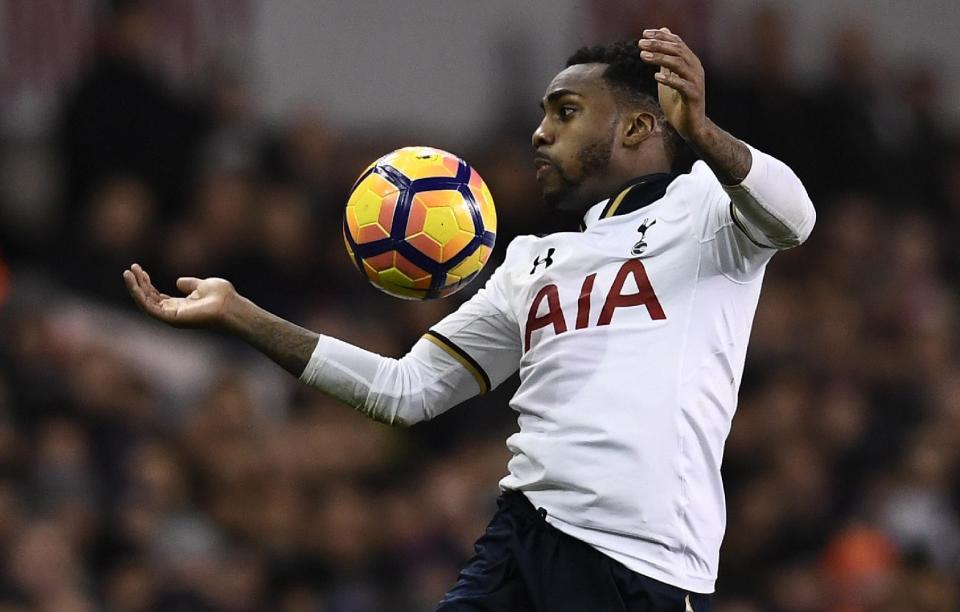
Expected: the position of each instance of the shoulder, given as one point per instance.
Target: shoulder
(699, 189)
(518, 248)
(699, 177)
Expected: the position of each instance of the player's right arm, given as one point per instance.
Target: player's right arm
(435, 375)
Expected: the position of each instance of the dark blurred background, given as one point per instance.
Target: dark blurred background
(149, 469)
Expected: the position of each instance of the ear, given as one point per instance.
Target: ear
(639, 125)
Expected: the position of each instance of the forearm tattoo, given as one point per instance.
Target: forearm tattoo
(287, 344)
(729, 158)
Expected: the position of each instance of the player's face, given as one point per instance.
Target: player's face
(575, 139)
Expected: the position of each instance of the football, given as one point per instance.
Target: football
(420, 223)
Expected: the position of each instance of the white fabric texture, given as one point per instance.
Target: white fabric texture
(417, 387)
(771, 204)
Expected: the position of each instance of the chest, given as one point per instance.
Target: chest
(635, 271)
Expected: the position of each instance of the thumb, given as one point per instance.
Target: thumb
(188, 284)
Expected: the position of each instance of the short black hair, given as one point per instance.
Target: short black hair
(632, 79)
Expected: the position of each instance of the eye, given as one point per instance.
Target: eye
(566, 111)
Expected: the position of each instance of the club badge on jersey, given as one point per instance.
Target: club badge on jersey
(641, 245)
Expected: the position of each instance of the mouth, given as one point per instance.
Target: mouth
(542, 164)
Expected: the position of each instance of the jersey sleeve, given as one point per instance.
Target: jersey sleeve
(417, 387)
(483, 335)
(469, 352)
(747, 223)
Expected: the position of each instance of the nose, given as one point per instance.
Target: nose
(542, 136)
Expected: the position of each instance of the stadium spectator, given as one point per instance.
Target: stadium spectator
(231, 491)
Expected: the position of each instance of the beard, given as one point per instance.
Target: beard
(593, 159)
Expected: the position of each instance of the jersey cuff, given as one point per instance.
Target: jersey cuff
(462, 357)
(742, 228)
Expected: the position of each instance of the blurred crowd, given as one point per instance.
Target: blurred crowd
(146, 469)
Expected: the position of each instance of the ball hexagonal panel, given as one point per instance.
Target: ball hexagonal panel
(365, 201)
(456, 243)
(423, 162)
(416, 216)
(441, 225)
(470, 265)
(388, 207)
(370, 233)
(393, 276)
(420, 279)
(426, 245)
(464, 214)
(439, 198)
(484, 254)
(378, 263)
(352, 225)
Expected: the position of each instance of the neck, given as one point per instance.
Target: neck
(618, 182)
(621, 173)
(649, 158)
(659, 165)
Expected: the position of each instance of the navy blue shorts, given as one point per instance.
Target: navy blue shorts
(523, 564)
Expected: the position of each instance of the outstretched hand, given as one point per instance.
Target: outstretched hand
(680, 80)
(203, 306)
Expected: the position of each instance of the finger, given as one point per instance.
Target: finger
(141, 275)
(188, 284)
(132, 281)
(129, 280)
(139, 297)
(661, 34)
(665, 36)
(146, 283)
(671, 62)
(676, 82)
(661, 46)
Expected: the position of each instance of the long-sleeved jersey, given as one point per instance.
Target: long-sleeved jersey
(630, 338)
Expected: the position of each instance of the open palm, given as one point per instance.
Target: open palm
(203, 305)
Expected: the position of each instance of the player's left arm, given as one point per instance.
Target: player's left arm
(770, 204)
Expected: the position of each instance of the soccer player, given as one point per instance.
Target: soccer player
(630, 338)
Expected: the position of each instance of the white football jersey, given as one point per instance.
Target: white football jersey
(630, 338)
